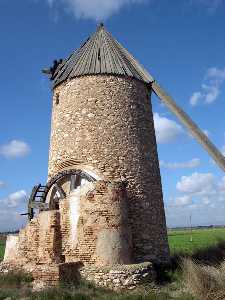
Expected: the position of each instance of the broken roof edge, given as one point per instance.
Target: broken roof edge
(100, 54)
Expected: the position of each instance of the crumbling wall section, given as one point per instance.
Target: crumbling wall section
(39, 242)
(11, 248)
(102, 235)
(91, 226)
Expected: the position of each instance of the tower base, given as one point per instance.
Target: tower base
(120, 277)
(88, 237)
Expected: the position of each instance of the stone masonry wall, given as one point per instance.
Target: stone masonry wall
(106, 122)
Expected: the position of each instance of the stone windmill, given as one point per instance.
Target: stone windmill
(104, 194)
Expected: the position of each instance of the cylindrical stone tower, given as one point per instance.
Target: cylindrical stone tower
(102, 121)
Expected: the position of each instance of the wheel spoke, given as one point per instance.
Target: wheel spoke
(60, 191)
(75, 181)
(72, 182)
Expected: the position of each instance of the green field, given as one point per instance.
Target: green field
(2, 249)
(180, 240)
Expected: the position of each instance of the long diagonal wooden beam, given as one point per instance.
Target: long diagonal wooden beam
(192, 127)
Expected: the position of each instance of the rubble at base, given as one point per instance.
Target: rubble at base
(121, 276)
(116, 278)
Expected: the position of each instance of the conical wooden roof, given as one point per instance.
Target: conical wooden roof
(100, 54)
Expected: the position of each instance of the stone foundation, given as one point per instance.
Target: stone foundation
(120, 276)
(116, 278)
(46, 276)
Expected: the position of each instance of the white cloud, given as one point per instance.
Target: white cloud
(94, 9)
(216, 74)
(2, 184)
(210, 93)
(10, 209)
(193, 163)
(166, 130)
(196, 183)
(181, 201)
(221, 184)
(11, 220)
(210, 88)
(14, 149)
(195, 98)
(203, 197)
(15, 199)
(99, 10)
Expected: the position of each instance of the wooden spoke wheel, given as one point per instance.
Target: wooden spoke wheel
(58, 188)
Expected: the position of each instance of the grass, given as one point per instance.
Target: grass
(203, 281)
(206, 246)
(2, 248)
(16, 279)
(15, 285)
(84, 291)
(179, 240)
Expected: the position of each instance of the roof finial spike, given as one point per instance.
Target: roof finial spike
(100, 26)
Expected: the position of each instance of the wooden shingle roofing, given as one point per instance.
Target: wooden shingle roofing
(100, 54)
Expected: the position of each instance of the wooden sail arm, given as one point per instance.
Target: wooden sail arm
(191, 126)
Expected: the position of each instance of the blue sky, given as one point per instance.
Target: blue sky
(180, 42)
